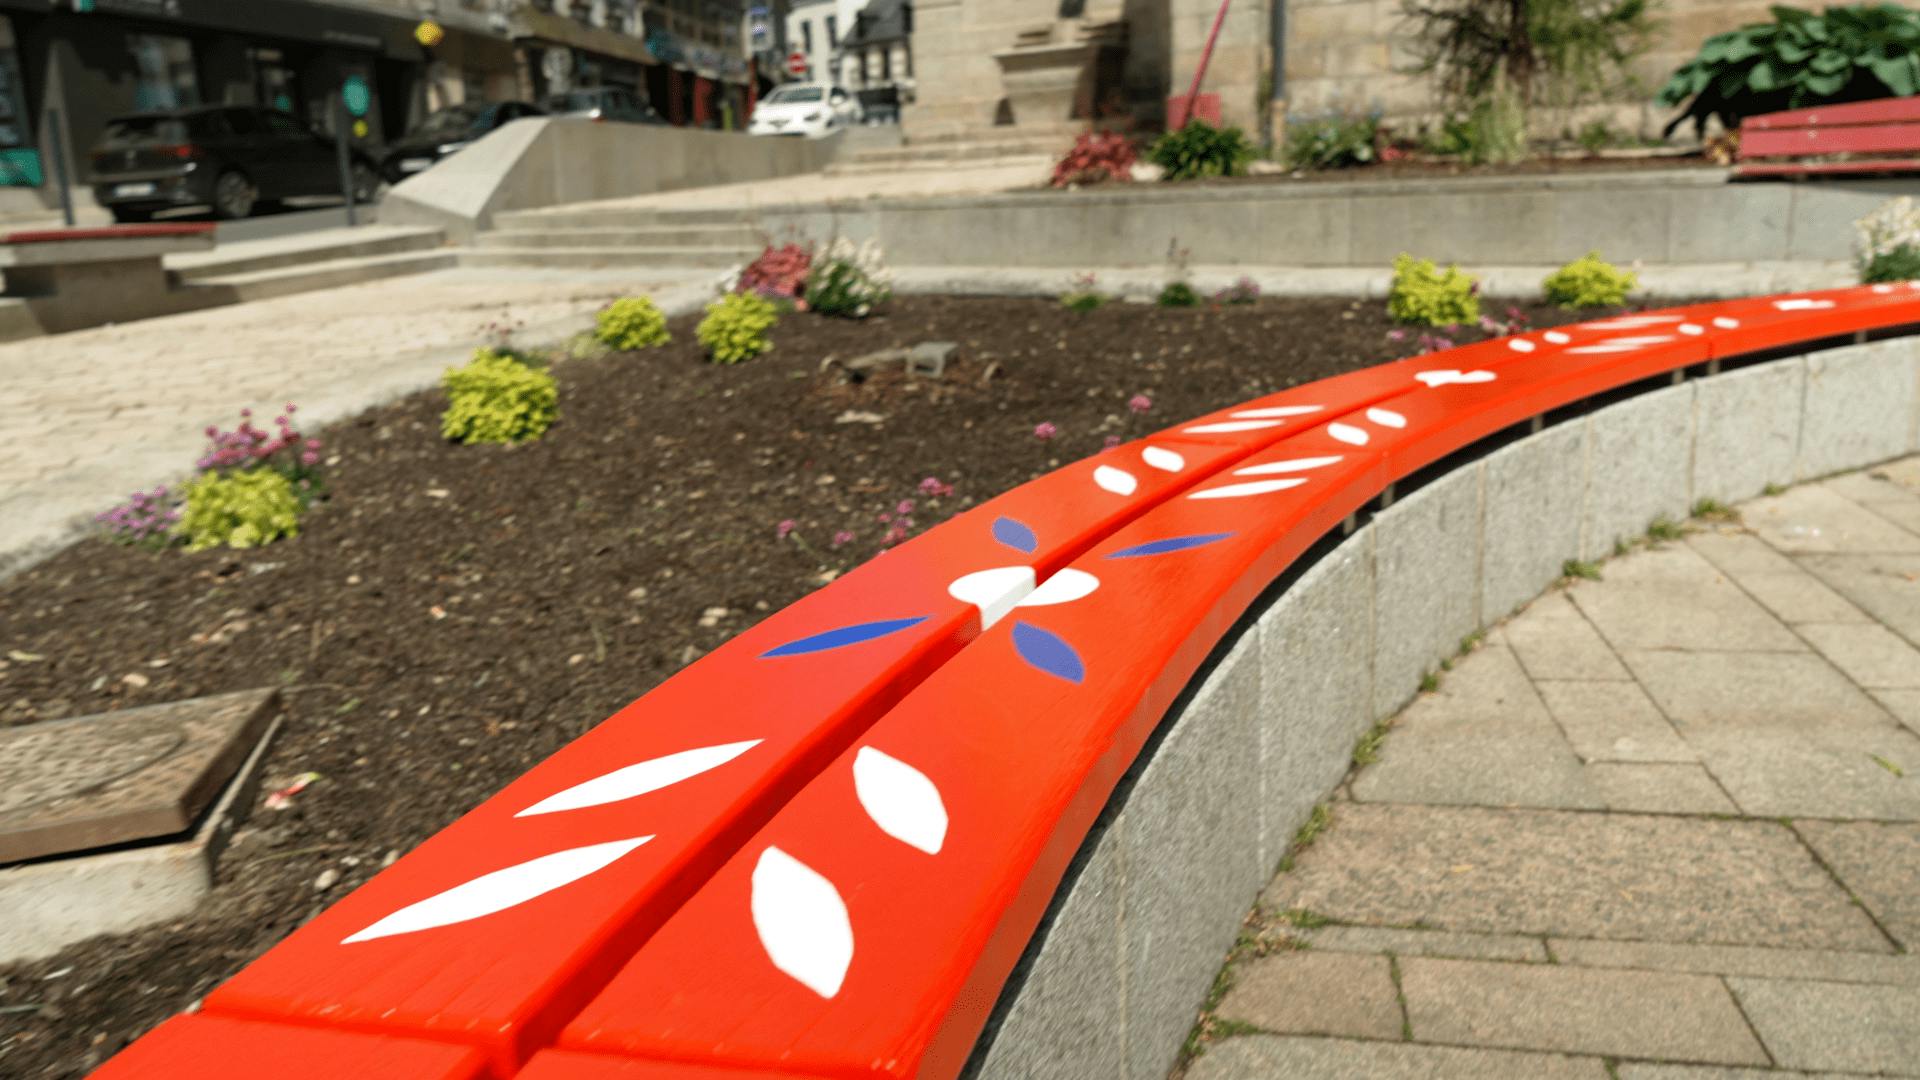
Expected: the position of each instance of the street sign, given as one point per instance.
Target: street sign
(357, 95)
(796, 63)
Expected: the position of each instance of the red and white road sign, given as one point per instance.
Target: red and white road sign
(796, 63)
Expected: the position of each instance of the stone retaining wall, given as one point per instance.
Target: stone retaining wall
(1112, 983)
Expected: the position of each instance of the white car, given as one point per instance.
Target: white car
(812, 110)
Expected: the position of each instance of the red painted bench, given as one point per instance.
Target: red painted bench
(110, 232)
(1863, 137)
(820, 850)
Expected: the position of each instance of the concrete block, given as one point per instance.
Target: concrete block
(1535, 489)
(1859, 407)
(1746, 430)
(1318, 645)
(1064, 1019)
(1747, 224)
(1639, 467)
(1622, 230)
(1191, 851)
(1426, 589)
(1823, 217)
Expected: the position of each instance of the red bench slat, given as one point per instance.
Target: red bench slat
(200, 1047)
(1865, 139)
(1882, 111)
(111, 232)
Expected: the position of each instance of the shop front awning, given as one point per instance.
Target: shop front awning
(547, 27)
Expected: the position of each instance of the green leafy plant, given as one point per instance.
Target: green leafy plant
(1085, 296)
(736, 326)
(631, 322)
(1424, 295)
(1201, 150)
(1178, 294)
(849, 282)
(1550, 52)
(1900, 264)
(242, 509)
(1493, 130)
(1800, 59)
(497, 399)
(1332, 142)
(1886, 243)
(1589, 282)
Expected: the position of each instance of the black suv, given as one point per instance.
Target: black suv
(233, 158)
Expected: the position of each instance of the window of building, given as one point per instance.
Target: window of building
(833, 32)
(806, 36)
(863, 67)
(886, 64)
(163, 72)
(274, 83)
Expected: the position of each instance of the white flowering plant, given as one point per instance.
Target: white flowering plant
(1886, 243)
(849, 281)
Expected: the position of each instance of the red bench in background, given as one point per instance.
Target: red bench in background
(1885, 134)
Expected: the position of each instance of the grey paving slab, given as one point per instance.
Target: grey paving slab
(1672, 598)
(1426, 583)
(1884, 586)
(1839, 1026)
(1774, 579)
(1774, 773)
(1904, 514)
(1266, 1057)
(1870, 654)
(1533, 493)
(1903, 704)
(1554, 641)
(1633, 1070)
(1316, 993)
(1383, 939)
(1831, 966)
(1735, 551)
(1742, 691)
(1904, 473)
(1657, 788)
(1872, 486)
(1615, 876)
(1576, 1010)
(1808, 520)
(1880, 863)
(1613, 721)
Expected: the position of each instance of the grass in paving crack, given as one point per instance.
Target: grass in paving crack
(1472, 641)
(1664, 528)
(1575, 568)
(1429, 682)
(1367, 750)
(1257, 939)
(1714, 510)
(1317, 821)
(1889, 766)
(1400, 996)
(1773, 489)
(1304, 919)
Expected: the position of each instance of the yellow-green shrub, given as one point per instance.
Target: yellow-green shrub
(736, 326)
(497, 399)
(240, 509)
(1425, 295)
(632, 322)
(1589, 282)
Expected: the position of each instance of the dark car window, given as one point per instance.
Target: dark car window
(128, 131)
(453, 120)
(244, 123)
(284, 126)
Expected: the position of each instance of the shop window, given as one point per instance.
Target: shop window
(164, 73)
(275, 85)
(886, 64)
(833, 32)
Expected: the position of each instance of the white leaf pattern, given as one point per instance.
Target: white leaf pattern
(1386, 418)
(1348, 434)
(499, 890)
(1118, 481)
(994, 591)
(1163, 459)
(900, 799)
(1449, 376)
(1288, 466)
(1232, 425)
(1254, 487)
(802, 922)
(640, 778)
(1062, 588)
(1277, 412)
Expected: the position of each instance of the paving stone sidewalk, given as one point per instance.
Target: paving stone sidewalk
(90, 416)
(1663, 825)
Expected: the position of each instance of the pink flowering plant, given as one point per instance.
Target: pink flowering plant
(146, 519)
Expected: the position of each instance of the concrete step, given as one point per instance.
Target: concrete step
(583, 258)
(948, 153)
(252, 256)
(615, 217)
(854, 168)
(657, 237)
(329, 274)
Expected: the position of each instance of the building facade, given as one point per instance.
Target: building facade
(875, 59)
(815, 29)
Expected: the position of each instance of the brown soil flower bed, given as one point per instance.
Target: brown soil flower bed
(452, 615)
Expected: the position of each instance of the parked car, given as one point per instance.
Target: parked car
(811, 110)
(233, 158)
(448, 131)
(604, 103)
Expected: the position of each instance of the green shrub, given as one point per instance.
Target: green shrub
(736, 326)
(632, 322)
(1589, 282)
(242, 509)
(1900, 264)
(497, 399)
(1886, 243)
(1424, 295)
(849, 281)
(1799, 60)
(1332, 142)
(1200, 150)
(1493, 131)
(1178, 294)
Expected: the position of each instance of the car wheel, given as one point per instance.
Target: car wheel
(366, 182)
(234, 195)
(127, 215)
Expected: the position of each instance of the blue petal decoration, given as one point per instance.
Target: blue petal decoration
(844, 636)
(1173, 543)
(1047, 652)
(1015, 535)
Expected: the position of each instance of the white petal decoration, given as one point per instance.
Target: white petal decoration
(1348, 434)
(638, 779)
(1064, 587)
(1520, 345)
(1691, 329)
(993, 591)
(1290, 465)
(1802, 304)
(1386, 418)
(1883, 289)
(1556, 337)
(499, 890)
(1118, 481)
(802, 922)
(1274, 412)
(1449, 377)
(1232, 425)
(1725, 323)
(1162, 459)
(1255, 487)
(900, 799)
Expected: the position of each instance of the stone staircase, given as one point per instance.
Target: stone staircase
(616, 239)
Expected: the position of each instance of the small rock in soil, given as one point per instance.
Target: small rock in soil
(328, 879)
